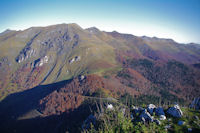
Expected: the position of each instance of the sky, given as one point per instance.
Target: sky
(176, 19)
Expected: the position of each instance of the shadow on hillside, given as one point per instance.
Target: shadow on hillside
(21, 102)
(17, 104)
(51, 124)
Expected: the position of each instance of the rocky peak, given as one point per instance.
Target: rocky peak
(6, 32)
(93, 30)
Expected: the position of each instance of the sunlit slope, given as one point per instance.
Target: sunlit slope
(52, 54)
(45, 55)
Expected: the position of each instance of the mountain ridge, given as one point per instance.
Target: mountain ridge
(47, 73)
(154, 37)
(43, 55)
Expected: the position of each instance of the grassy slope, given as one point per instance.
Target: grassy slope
(97, 51)
(91, 50)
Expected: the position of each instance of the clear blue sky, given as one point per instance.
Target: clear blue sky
(176, 19)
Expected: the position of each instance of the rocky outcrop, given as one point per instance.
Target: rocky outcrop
(175, 111)
(40, 62)
(75, 59)
(162, 117)
(25, 54)
(28, 51)
(151, 108)
(110, 107)
(146, 116)
(159, 111)
(81, 77)
(137, 110)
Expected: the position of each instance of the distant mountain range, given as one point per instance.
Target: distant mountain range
(52, 69)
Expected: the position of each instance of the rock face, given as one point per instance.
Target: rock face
(71, 61)
(110, 107)
(81, 77)
(162, 117)
(27, 51)
(143, 119)
(146, 116)
(76, 58)
(159, 111)
(195, 103)
(151, 108)
(175, 111)
(25, 54)
(40, 62)
(137, 110)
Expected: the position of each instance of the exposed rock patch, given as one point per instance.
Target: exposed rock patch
(75, 59)
(146, 116)
(162, 117)
(151, 108)
(159, 111)
(175, 111)
(40, 62)
(25, 54)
